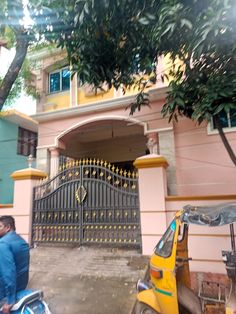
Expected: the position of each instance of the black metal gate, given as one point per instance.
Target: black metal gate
(88, 201)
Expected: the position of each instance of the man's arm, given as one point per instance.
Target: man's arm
(8, 272)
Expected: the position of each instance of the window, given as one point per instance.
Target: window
(59, 80)
(228, 120)
(164, 246)
(27, 142)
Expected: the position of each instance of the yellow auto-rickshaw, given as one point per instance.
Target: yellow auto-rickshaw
(168, 290)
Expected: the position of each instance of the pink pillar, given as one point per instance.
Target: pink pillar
(25, 180)
(152, 193)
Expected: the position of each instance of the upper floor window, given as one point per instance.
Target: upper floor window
(59, 80)
(227, 119)
(27, 142)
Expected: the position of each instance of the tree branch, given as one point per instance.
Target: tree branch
(224, 139)
(22, 44)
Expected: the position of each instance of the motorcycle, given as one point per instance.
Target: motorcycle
(168, 289)
(30, 302)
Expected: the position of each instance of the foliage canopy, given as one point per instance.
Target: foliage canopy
(113, 41)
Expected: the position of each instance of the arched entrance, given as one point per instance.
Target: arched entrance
(117, 140)
(91, 200)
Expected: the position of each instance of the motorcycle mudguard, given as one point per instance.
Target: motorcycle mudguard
(30, 301)
(36, 307)
(148, 297)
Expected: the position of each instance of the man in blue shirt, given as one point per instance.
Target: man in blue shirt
(14, 263)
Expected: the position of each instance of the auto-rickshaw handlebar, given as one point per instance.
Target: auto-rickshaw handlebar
(180, 261)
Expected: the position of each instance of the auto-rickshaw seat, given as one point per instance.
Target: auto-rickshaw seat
(217, 215)
(226, 206)
(188, 299)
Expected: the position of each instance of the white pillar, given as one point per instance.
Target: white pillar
(54, 161)
(167, 149)
(42, 160)
(73, 91)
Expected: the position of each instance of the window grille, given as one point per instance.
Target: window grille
(27, 142)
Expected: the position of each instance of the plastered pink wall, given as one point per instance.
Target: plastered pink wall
(203, 166)
(49, 130)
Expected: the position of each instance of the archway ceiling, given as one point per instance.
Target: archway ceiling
(102, 131)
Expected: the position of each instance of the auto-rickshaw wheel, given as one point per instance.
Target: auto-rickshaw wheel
(142, 308)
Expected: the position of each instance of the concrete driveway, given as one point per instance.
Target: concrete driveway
(87, 280)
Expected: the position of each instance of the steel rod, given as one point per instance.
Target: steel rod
(232, 237)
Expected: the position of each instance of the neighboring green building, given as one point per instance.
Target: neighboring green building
(18, 140)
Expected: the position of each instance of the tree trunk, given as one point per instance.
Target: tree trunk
(224, 139)
(14, 69)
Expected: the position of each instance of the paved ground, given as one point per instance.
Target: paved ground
(87, 280)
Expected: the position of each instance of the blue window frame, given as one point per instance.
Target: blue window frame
(59, 80)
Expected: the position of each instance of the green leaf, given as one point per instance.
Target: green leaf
(185, 22)
(144, 21)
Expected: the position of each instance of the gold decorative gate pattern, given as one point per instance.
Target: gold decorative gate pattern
(88, 201)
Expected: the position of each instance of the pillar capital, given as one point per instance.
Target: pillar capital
(54, 151)
(28, 173)
(151, 161)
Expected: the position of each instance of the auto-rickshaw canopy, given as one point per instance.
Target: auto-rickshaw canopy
(212, 216)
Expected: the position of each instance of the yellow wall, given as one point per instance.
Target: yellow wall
(83, 99)
(57, 101)
(168, 65)
(62, 99)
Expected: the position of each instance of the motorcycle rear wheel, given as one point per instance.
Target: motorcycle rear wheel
(142, 308)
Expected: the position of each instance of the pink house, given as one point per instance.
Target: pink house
(77, 123)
